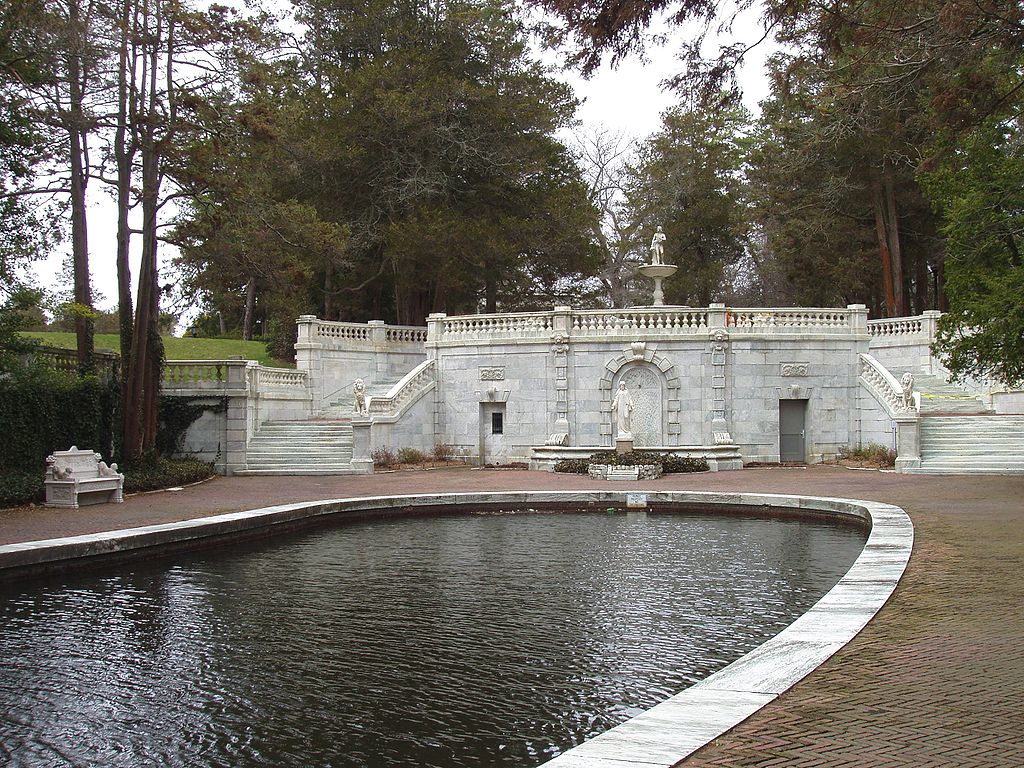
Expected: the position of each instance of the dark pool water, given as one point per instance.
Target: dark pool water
(479, 640)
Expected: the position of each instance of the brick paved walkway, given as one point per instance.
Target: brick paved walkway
(937, 679)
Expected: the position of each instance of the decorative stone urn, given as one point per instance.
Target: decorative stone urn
(658, 273)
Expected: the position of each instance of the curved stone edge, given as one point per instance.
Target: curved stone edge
(682, 724)
(669, 731)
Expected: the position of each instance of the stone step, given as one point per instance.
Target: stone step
(943, 468)
(304, 426)
(376, 389)
(986, 444)
(302, 439)
(315, 447)
(941, 396)
(255, 462)
(303, 469)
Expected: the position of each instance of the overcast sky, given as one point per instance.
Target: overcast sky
(628, 99)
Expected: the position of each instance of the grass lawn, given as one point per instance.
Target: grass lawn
(176, 349)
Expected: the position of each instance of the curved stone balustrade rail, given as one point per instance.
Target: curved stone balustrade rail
(884, 387)
(412, 385)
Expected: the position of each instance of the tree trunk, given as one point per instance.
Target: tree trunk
(920, 284)
(250, 306)
(123, 153)
(883, 249)
(490, 287)
(84, 324)
(329, 311)
(892, 230)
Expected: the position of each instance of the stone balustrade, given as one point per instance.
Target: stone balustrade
(897, 326)
(262, 378)
(183, 377)
(206, 375)
(522, 325)
(905, 330)
(792, 320)
(405, 391)
(601, 322)
(645, 323)
(405, 333)
(330, 334)
(884, 386)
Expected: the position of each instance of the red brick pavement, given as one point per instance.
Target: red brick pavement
(936, 679)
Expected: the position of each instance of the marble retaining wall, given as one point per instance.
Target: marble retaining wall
(697, 377)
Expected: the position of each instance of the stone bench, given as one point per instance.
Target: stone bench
(75, 478)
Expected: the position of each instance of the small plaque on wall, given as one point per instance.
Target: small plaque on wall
(492, 373)
(794, 369)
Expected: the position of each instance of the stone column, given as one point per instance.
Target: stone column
(561, 327)
(435, 331)
(309, 357)
(379, 339)
(929, 327)
(718, 333)
(908, 441)
(236, 419)
(362, 459)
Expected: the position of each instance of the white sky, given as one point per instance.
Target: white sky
(627, 100)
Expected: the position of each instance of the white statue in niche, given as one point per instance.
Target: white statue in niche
(622, 407)
(658, 247)
(360, 389)
(907, 384)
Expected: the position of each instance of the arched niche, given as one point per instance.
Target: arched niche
(652, 382)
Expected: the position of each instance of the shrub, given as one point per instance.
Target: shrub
(677, 464)
(383, 457)
(150, 474)
(43, 412)
(20, 488)
(443, 452)
(872, 453)
(411, 456)
(573, 466)
(631, 459)
(669, 462)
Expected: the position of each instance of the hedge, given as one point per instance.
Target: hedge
(670, 462)
(42, 412)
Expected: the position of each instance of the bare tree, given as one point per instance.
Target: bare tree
(603, 157)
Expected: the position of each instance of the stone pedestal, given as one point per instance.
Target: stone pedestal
(624, 444)
(658, 272)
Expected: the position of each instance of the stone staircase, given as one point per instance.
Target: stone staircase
(343, 407)
(315, 447)
(939, 396)
(959, 435)
(966, 444)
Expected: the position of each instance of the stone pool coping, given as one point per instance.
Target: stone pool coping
(664, 734)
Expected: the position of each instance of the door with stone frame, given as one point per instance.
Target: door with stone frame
(645, 387)
(492, 433)
(792, 430)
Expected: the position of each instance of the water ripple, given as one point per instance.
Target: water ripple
(490, 640)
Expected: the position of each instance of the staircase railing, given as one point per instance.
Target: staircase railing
(886, 389)
(903, 411)
(409, 389)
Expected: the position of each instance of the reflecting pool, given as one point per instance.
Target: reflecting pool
(473, 640)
